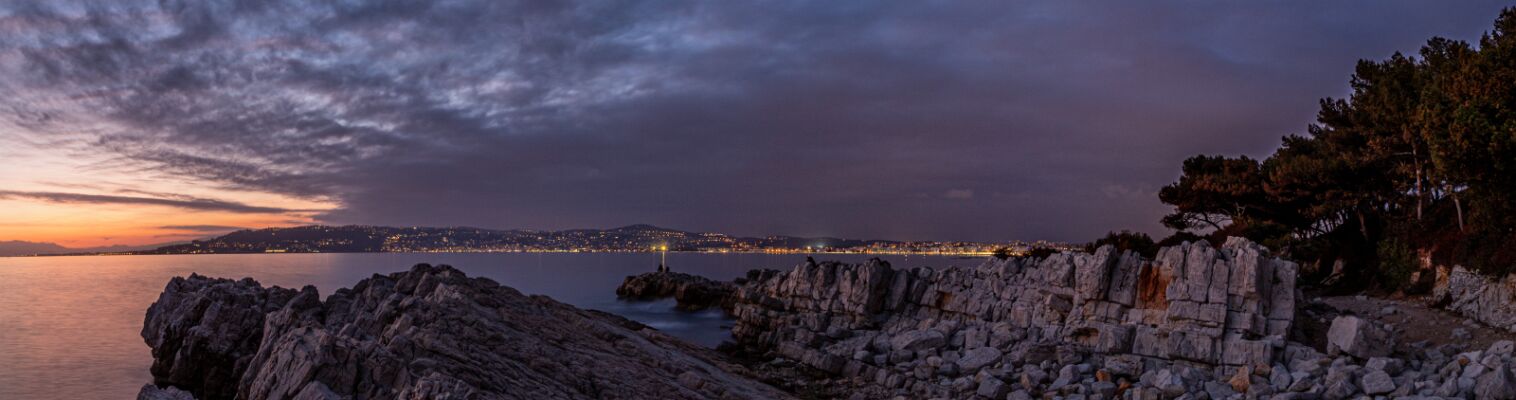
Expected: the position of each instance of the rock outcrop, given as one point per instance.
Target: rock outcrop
(429, 333)
(1195, 303)
(960, 331)
(1484, 299)
(1194, 323)
(690, 292)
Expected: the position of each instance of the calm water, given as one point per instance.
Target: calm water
(70, 326)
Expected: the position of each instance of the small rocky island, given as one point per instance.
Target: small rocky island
(1194, 322)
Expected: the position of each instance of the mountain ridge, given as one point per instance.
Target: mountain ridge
(15, 248)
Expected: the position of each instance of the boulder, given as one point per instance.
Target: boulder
(1358, 337)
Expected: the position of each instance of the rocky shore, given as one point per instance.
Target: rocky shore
(429, 333)
(1196, 322)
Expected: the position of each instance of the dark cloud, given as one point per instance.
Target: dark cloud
(184, 203)
(964, 120)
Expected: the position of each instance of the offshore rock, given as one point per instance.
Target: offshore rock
(691, 292)
(428, 333)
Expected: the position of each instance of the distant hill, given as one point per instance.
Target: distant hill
(367, 239)
(20, 248)
(24, 248)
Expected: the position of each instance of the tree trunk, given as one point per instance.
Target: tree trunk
(1457, 205)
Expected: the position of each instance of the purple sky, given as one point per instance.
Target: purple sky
(972, 120)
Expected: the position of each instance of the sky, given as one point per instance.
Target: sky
(136, 122)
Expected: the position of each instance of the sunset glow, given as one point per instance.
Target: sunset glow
(86, 201)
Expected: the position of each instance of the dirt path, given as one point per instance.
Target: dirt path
(1416, 322)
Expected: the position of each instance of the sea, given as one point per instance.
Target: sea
(70, 327)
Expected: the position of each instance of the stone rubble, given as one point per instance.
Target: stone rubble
(1194, 323)
(429, 333)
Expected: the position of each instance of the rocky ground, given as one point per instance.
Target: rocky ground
(1195, 323)
(429, 333)
(1414, 321)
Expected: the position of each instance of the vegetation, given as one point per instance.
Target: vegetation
(1002, 253)
(1421, 157)
(1127, 240)
(1039, 252)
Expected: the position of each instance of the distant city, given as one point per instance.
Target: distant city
(634, 238)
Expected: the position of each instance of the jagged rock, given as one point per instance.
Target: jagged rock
(1358, 337)
(203, 331)
(690, 292)
(431, 332)
(152, 392)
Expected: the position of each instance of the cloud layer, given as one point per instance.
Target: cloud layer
(182, 203)
(964, 120)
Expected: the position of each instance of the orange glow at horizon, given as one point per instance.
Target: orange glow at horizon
(96, 225)
(79, 224)
(93, 225)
